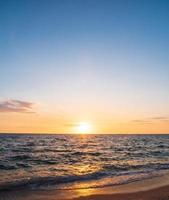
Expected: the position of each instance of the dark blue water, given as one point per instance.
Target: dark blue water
(80, 161)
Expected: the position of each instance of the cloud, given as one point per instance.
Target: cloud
(16, 106)
(140, 121)
(71, 124)
(151, 120)
(160, 118)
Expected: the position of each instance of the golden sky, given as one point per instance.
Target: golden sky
(27, 117)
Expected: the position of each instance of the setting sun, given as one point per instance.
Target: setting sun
(83, 127)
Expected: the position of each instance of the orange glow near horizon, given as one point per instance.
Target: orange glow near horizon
(96, 124)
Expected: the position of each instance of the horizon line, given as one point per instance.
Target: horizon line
(1, 133)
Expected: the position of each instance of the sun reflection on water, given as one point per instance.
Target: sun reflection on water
(85, 169)
(85, 192)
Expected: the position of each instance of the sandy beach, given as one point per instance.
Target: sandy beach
(154, 194)
(161, 193)
(150, 189)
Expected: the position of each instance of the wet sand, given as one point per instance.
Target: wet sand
(151, 189)
(154, 194)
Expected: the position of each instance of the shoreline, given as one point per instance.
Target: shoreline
(148, 189)
(161, 193)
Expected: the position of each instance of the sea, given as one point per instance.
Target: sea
(64, 162)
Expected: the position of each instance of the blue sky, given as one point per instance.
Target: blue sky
(72, 54)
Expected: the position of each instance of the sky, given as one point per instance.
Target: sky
(102, 62)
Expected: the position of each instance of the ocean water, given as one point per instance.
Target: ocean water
(80, 161)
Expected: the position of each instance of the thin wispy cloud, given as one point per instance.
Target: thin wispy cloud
(16, 106)
(151, 120)
(140, 121)
(160, 118)
(70, 124)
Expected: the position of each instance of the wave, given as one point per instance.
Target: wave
(7, 167)
(62, 182)
(79, 153)
(59, 182)
(37, 182)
